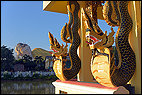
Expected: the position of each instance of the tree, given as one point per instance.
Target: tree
(7, 58)
(40, 63)
(28, 63)
(27, 58)
(19, 61)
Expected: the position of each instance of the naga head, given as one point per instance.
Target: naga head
(56, 47)
(94, 35)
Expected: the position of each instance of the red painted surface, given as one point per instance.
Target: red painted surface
(75, 82)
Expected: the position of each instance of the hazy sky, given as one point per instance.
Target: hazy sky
(26, 22)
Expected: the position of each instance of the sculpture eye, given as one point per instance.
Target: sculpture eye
(101, 34)
(87, 30)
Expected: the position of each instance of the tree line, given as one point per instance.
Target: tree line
(8, 61)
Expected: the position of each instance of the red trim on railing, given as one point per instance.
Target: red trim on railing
(75, 82)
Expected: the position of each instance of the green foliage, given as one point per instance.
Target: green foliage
(40, 63)
(7, 58)
(19, 61)
(8, 61)
(27, 58)
(27, 77)
(28, 63)
(20, 76)
(36, 75)
(38, 59)
(53, 77)
(7, 76)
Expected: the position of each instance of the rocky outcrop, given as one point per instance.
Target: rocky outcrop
(22, 49)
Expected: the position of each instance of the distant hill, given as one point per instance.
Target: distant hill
(40, 52)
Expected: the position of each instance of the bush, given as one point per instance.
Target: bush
(35, 75)
(27, 75)
(7, 76)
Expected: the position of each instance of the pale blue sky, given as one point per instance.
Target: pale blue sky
(26, 22)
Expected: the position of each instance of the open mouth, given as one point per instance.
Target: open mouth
(91, 40)
(54, 50)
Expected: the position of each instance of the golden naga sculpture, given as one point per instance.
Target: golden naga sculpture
(103, 66)
(69, 34)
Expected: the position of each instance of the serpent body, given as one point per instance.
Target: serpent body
(104, 68)
(128, 61)
(69, 30)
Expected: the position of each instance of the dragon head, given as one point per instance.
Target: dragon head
(94, 35)
(56, 47)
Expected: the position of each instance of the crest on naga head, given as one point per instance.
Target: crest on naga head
(59, 50)
(105, 69)
(94, 35)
